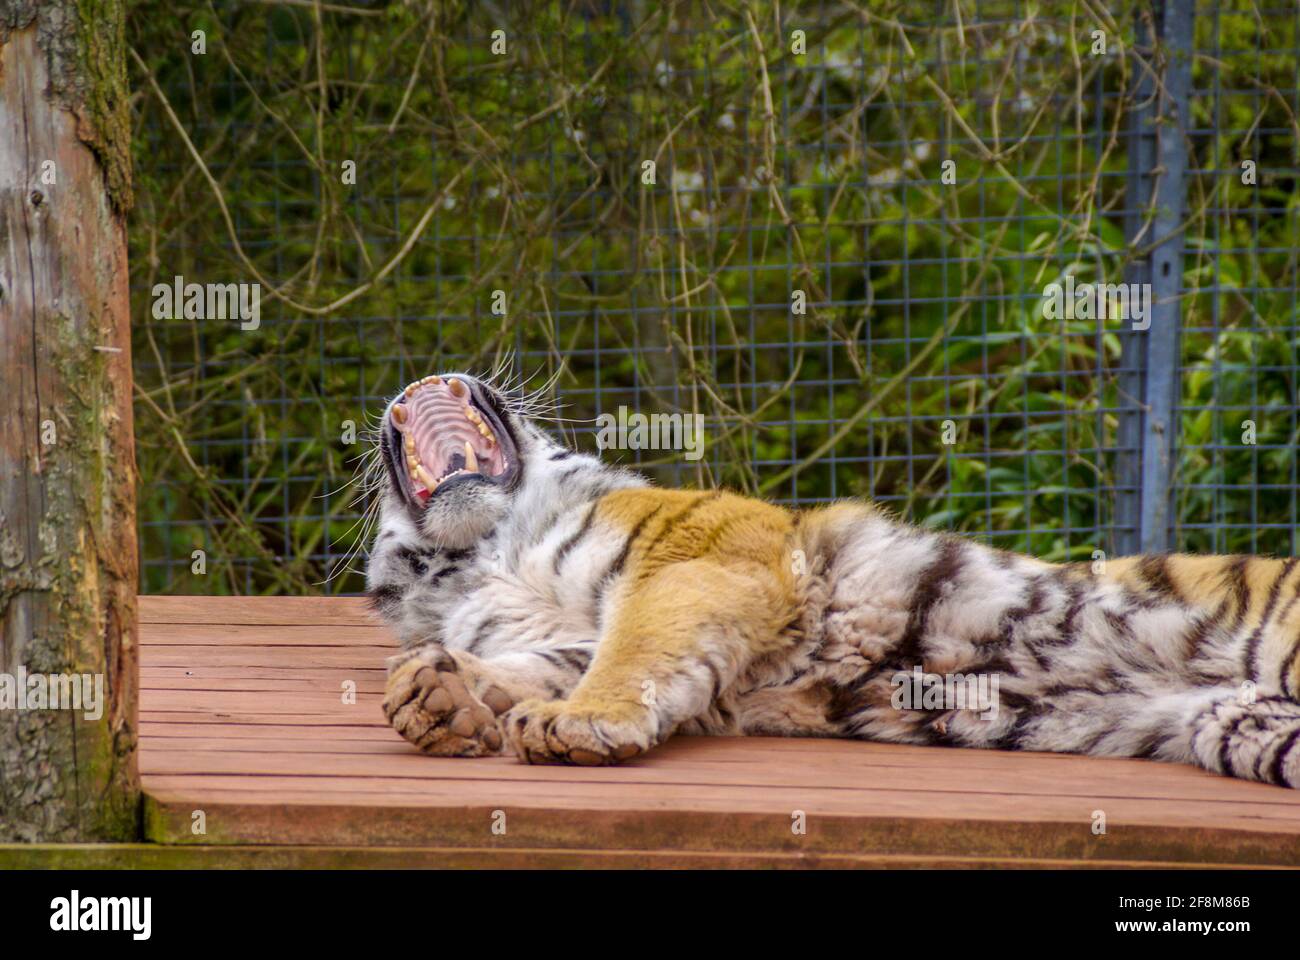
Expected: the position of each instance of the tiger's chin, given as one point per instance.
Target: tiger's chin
(463, 515)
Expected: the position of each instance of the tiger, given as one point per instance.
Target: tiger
(557, 608)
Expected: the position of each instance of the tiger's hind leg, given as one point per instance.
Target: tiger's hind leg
(446, 702)
(1257, 740)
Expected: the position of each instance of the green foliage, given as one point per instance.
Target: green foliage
(523, 172)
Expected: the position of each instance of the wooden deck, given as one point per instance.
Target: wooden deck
(243, 717)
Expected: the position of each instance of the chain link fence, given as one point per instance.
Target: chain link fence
(835, 232)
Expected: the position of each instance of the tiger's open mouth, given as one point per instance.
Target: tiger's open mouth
(444, 431)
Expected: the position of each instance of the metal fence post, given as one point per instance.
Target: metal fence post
(1149, 381)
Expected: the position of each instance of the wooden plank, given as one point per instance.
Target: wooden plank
(271, 635)
(154, 675)
(224, 718)
(444, 804)
(154, 856)
(255, 656)
(235, 702)
(336, 733)
(245, 721)
(313, 611)
(371, 684)
(708, 820)
(684, 763)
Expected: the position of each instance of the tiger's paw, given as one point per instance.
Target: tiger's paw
(428, 702)
(556, 731)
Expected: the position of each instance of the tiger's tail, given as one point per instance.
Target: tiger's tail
(1247, 617)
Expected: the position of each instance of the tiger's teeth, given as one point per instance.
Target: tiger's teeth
(411, 388)
(409, 443)
(457, 388)
(422, 475)
(399, 413)
(471, 461)
(413, 462)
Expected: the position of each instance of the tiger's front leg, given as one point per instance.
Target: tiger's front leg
(446, 702)
(675, 639)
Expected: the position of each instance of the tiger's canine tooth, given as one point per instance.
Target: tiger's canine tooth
(457, 388)
(471, 461)
(399, 413)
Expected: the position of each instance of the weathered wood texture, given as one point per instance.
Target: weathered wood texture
(243, 718)
(157, 856)
(67, 467)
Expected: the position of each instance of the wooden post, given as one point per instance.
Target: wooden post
(68, 566)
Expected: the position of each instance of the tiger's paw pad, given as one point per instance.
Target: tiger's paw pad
(429, 704)
(553, 732)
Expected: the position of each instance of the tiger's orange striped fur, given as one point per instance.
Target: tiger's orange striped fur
(566, 611)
